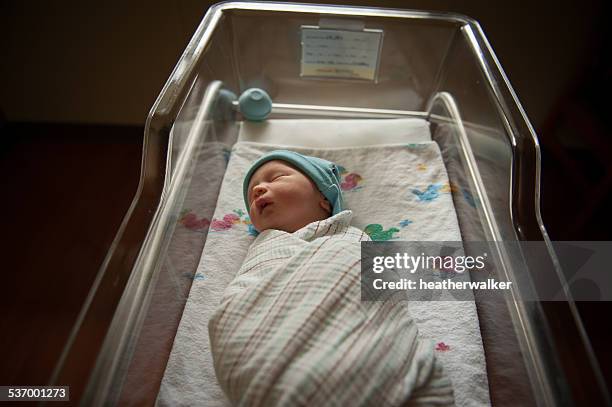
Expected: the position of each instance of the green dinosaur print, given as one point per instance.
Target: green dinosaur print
(377, 232)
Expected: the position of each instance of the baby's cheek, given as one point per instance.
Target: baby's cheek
(254, 219)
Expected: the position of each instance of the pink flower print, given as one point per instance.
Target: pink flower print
(227, 222)
(442, 347)
(231, 218)
(191, 221)
(350, 181)
(220, 224)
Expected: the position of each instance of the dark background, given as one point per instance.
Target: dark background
(78, 79)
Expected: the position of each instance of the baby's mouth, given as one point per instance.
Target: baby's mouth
(264, 206)
(262, 203)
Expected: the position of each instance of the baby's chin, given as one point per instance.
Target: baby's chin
(265, 226)
(285, 227)
(279, 218)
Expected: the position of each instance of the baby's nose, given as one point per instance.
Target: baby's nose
(259, 190)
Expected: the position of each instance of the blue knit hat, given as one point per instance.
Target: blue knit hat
(323, 173)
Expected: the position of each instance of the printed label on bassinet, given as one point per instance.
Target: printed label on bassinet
(340, 53)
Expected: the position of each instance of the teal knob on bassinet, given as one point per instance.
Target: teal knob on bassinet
(255, 104)
(223, 108)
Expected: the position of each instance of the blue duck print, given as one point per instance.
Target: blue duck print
(377, 232)
(405, 223)
(429, 194)
(196, 277)
(251, 230)
(417, 145)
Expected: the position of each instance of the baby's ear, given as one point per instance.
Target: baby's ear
(324, 204)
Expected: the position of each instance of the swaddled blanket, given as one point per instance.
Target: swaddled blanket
(291, 328)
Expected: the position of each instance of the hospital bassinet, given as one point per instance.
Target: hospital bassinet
(435, 67)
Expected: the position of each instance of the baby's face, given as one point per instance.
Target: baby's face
(283, 198)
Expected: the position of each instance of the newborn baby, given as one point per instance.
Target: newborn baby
(279, 195)
(291, 328)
